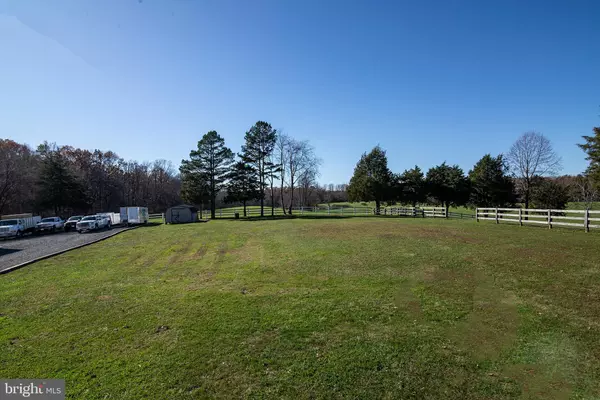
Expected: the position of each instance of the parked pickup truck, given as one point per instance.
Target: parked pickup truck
(17, 226)
(50, 224)
(93, 223)
(72, 222)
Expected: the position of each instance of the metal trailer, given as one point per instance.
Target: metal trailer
(134, 215)
(115, 218)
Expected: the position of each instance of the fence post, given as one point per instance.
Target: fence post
(446, 212)
(521, 216)
(163, 218)
(549, 219)
(586, 222)
(496, 211)
(354, 210)
(301, 210)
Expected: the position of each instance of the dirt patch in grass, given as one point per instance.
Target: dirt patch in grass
(478, 317)
(201, 280)
(491, 327)
(251, 251)
(198, 254)
(448, 234)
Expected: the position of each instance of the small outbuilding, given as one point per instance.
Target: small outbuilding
(181, 214)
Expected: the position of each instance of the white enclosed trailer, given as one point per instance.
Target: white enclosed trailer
(115, 218)
(134, 215)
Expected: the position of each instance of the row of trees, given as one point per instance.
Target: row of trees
(64, 180)
(276, 170)
(270, 164)
(520, 176)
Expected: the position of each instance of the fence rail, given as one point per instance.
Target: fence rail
(415, 212)
(160, 216)
(550, 217)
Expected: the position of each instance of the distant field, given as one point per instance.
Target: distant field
(313, 308)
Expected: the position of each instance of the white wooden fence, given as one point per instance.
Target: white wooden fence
(429, 212)
(586, 219)
(154, 217)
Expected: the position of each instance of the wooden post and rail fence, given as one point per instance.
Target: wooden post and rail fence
(585, 219)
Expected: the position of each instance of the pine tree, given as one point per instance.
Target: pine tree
(58, 187)
(372, 179)
(490, 184)
(412, 185)
(207, 169)
(243, 184)
(592, 149)
(260, 142)
(448, 185)
(194, 187)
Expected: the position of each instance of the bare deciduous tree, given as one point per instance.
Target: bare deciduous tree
(529, 157)
(300, 159)
(585, 191)
(280, 158)
(308, 183)
(16, 174)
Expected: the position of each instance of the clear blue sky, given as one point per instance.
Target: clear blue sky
(429, 81)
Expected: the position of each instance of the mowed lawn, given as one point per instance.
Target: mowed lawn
(312, 308)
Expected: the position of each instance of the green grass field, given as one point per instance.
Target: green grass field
(312, 308)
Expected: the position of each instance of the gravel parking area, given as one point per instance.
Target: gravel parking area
(14, 252)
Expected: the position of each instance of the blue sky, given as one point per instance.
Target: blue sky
(429, 81)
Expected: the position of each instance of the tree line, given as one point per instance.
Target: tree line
(64, 180)
(272, 168)
(525, 175)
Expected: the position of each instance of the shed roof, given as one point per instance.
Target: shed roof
(186, 206)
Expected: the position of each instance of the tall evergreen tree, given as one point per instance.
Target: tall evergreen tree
(207, 168)
(448, 185)
(194, 187)
(592, 149)
(58, 188)
(372, 179)
(490, 184)
(260, 142)
(412, 184)
(243, 184)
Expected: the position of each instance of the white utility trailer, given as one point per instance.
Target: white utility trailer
(134, 215)
(115, 218)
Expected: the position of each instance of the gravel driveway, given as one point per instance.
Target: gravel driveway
(13, 251)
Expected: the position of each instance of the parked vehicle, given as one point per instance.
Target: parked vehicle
(50, 224)
(71, 223)
(115, 218)
(93, 223)
(18, 225)
(134, 215)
